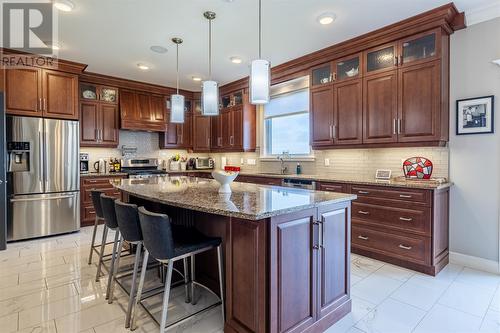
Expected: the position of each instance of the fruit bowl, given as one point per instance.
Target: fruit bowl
(224, 178)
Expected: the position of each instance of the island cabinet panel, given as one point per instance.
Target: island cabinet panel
(89, 183)
(334, 258)
(332, 187)
(246, 276)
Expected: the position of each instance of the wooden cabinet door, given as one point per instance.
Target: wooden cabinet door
(348, 112)
(321, 110)
(170, 138)
(186, 132)
(334, 262)
(89, 123)
(127, 105)
(201, 133)
(226, 131)
(423, 47)
(237, 128)
(380, 108)
(60, 95)
(108, 124)
(216, 132)
(293, 256)
(143, 105)
(23, 92)
(419, 107)
(158, 108)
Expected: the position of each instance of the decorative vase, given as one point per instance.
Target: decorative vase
(174, 165)
(417, 168)
(224, 178)
(183, 166)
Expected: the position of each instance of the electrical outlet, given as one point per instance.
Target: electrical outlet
(251, 161)
(327, 162)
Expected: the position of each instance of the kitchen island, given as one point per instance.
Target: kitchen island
(286, 251)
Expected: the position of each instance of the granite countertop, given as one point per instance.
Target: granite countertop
(359, 180)
(247, 201)
(103, 174)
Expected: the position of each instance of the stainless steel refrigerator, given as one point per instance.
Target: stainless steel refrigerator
(3, 188)
(43, 179)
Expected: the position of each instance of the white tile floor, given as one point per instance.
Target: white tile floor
(46, 286)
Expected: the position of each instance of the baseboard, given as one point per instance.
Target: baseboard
(474, 262)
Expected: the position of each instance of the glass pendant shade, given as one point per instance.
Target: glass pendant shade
(177, 109)
(209, 98)
(260, 81)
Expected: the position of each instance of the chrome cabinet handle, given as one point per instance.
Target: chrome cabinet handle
(394, 126)
(407, 219)
(404, 247)
(334, 76)
(363, 192)
(41, 199)
(363, 212)
(40, 106)
(363, 237)
(315, 247)
(405, 196)
(399, 126)
(330, 132)
(45, 104)
(40, 155)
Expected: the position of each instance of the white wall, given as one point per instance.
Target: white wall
(474, 159)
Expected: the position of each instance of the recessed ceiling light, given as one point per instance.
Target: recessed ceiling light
(158, 49)
(235, 60)
(326, 18)
(64, 5)
(196, 78)
(143, 67)
(497, 61)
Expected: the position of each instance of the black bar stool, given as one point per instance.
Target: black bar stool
(108, 210)
(96, 201)
(168, 243)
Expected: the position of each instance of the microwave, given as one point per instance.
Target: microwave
(204, 163)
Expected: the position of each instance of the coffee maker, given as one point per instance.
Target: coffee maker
(84, 162)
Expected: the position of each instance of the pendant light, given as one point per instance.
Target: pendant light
(210, 88)
(260, 72)
(177, 100)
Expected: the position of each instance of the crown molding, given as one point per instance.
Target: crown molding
(483, 13)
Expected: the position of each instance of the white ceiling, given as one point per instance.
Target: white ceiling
(112, 36)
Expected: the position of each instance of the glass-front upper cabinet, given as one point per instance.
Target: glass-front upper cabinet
(88, 92)
(108, 95)
(419, 48)
(381, 58)
(321, 75)
(347, 68)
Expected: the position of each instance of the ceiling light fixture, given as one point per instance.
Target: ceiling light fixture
(143, 67)
(236, 60)
(326, 18)
(158, 49)
(64, 5)
(196, 78)
(209, 88)
(496, 61)
(260, 72)
(177, 101)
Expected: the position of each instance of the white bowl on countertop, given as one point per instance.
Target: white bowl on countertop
(224, 178)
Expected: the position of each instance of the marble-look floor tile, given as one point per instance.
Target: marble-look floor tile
(419, 293)
(443, 319)
(9, 280)
(391, 316)
(89, 317)
(479, 278)
(9, 323)
(363, 267)
(45, 327)
(360, 308)
(22, 289)
(375, 288)
(491, 322)
(355, 279)
(394, 272)
(468, 298)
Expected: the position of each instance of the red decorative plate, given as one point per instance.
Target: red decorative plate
(417, 167)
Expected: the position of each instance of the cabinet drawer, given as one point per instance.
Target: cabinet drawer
(88, 213)
(404, 194)
(332, 187)
(414, 248)
(418, 219)
(97, 181)
(87, 196)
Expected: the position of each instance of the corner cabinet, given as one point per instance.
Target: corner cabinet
(41, 92)
(394, 94)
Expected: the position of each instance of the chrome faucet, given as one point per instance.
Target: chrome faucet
(281, 158)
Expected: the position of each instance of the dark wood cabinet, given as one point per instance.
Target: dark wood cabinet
(143, 111)
(380, 113)
(89, 183)
(348, 112)
(321, 110)
(381, 59)
(42, 93)
(99, 116)
(178, 135)
(201, 133)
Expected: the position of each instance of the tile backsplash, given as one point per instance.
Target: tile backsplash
(342, 162)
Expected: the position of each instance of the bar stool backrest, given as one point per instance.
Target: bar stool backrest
(96, 201)
(127, 217)
(108, 210)
(157, 234)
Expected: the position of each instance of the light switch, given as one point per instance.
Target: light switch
(327, 162)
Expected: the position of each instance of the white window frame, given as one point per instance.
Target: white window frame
(273, 157)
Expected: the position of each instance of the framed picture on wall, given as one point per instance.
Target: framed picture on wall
(475, 115)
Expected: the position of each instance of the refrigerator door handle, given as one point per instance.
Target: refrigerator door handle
(40, 158)
(41, 199)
